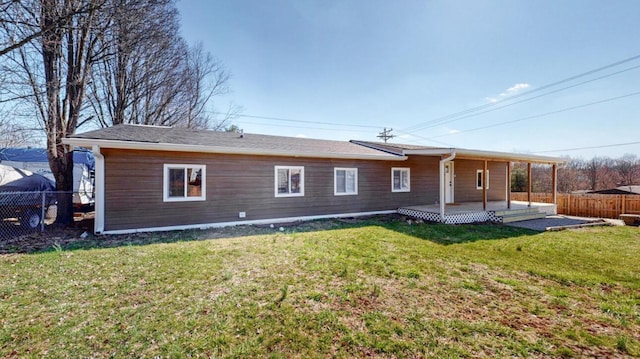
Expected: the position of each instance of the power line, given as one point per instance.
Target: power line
(425, 139)
(357, 131)
(591, 147)
(542, 114)
(301, 121)
(527, 99)
(443, 119)
(348, 130)
(303, 127)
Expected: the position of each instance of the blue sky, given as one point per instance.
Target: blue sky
(347, 69)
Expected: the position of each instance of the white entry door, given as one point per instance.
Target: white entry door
(448, 182)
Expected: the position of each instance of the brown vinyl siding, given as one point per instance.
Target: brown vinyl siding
(239, 183)
(465, 181)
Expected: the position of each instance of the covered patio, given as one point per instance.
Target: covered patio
(466, 186)
(501, 209)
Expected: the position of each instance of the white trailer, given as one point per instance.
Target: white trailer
(36, 161)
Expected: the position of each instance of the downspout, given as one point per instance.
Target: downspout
(98, 187)
(442, 184)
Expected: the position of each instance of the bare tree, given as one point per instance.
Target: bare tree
(205, 79)
(153, 77)
(125, 56)
(571, 177)
(19, 19)
(51, 74)
(13, 135)
(594, 170)
(628, 169)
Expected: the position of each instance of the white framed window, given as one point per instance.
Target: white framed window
(400, 179)
(184, 182)
(289, 181)
(480, 180)
(345, 181)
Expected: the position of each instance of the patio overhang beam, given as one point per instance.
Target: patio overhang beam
(485, 155)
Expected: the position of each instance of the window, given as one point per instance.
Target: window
(479, 179)
(345, 181)
(400, 180)
(184, 183)
(289, 181)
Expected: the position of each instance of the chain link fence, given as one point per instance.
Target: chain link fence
(25, 213)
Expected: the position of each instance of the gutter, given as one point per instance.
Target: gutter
(98, 225)
(451, 157)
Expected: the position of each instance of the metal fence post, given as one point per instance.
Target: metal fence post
(42, 211)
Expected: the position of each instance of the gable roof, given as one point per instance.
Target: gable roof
(404, 150)
(160, 138)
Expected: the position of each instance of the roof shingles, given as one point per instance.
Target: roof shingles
(217, 139)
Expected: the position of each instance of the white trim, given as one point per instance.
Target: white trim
(151, 146)
(186, 197)
(485, 180)
(453, 182)
(442, 195)
(402, 169)
(275, 181)
(507, 188)
(335, 181)
(99, 188)
(251, 222)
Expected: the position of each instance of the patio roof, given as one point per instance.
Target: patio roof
(400, 149)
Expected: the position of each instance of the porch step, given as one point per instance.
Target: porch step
(517, 217)
(508, 212)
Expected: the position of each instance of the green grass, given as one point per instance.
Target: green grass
(381, 289)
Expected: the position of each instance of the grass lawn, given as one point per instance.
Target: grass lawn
(364, 289)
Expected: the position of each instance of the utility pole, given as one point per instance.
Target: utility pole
(386, 135)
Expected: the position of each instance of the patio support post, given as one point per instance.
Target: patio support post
(529, 183)
(484, 186)
(508, 185)
(443, 184)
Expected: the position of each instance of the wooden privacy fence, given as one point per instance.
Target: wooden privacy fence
(587, 205)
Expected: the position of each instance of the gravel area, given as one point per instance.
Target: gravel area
(562, 221)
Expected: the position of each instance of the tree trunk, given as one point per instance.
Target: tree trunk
(61, 162)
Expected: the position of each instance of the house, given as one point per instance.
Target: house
(152, 178)
(36, 160)
(626, 190)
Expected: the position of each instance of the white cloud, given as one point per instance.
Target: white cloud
(517, 88)
(300, 135)
(513, 90)
(452, 131)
